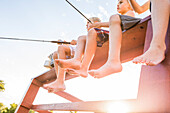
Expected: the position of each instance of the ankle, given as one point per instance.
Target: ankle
(160, 46)
(60, 82)
(114, 61)
(84, 69)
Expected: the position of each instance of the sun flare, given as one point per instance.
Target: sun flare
(117, 107)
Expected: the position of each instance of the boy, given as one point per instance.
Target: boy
(64, 52)
(160, 13)
(116, 24)
(58, 84)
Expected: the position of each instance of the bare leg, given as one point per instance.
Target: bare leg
(160, 18)
(88, 55)
(76, 61)
(113, 64)
(58, 84)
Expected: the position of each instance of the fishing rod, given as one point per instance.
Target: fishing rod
(79, 11)
(59, 42)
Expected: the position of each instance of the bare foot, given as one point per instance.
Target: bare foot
(69, 63)
(151, 57)
(55, 87)
(80, 72)
(106, 69)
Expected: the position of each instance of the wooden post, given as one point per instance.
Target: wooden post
(154, 86)
(28, 98)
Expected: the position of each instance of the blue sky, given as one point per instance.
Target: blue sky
(49, 20)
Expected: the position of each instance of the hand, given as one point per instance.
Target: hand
(59, 40)
(73, 42)
(96, 25)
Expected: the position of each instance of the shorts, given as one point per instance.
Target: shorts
(72, 49)
(102, 36)
(127, 22)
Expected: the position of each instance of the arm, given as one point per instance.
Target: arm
(139, 9)
(99, 24)
(104, 24)
(73, 42)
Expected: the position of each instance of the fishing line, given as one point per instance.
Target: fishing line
(79, 11)
(59, 42)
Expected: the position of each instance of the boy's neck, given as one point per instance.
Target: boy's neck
(125, 12)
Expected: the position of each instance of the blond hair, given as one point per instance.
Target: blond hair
(95, 19)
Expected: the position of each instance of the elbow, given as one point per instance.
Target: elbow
(139, 11)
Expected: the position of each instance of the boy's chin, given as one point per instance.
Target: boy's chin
(118, 11)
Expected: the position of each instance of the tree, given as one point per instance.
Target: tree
(31, 111)
(2, 88)
(1, 106)
(9, 110)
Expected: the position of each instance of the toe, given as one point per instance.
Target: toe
(152, 63)
(144, 61)
(50, 90)
(137, 60)
(147, 62)
(45, 86)
(91, 73)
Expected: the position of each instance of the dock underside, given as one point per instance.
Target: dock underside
(154, 86)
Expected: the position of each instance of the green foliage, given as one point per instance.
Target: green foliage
(9, 110)
(1, 106)
(2, 88)
(73, 111)
(13, 106)
(31, 111)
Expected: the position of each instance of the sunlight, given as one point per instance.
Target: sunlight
(117, 107)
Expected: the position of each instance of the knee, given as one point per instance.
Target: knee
(92, 33)
(55, 55)
(81, 38)
(114, 19)
(61, 48)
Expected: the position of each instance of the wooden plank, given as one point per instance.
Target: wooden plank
(131, 106)
(132, 45)
(37, 83)
(90, 106)
(47, 76)
(154, 87)
(21, 109)
(28, 98)
(129, 55)
(68, 96)
(40, 111)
